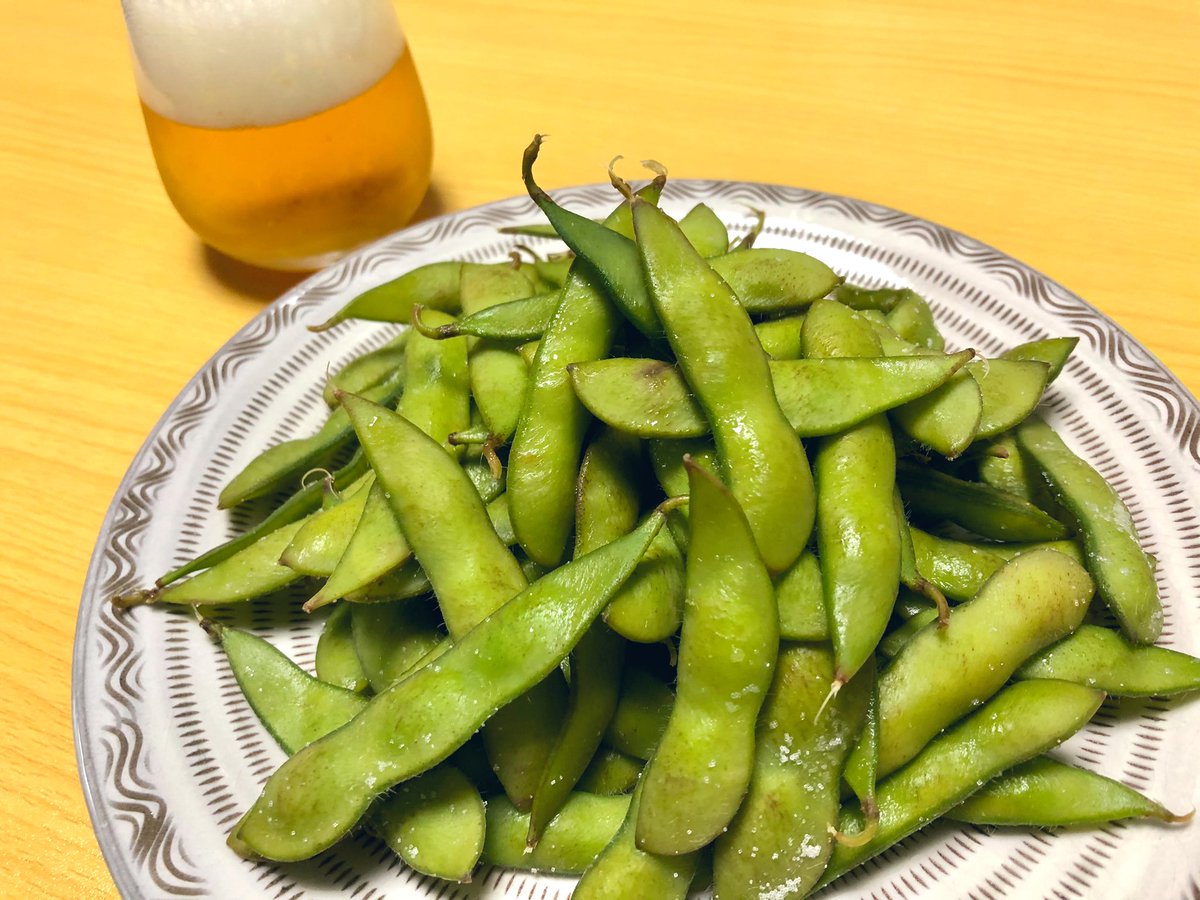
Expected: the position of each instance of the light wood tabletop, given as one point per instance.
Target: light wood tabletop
(1066, 134)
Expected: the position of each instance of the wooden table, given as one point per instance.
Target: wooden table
(1067, 134)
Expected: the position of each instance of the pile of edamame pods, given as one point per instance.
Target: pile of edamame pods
(670, 563)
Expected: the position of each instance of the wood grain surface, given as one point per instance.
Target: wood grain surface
(1066, 134)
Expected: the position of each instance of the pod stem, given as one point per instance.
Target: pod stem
(930, 590)
(141, 597)
(433, 332)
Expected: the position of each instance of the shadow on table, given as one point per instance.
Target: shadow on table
(254, 283)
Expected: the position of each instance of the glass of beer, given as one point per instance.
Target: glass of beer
(286, 132)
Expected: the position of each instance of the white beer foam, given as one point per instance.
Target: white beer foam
(235, 63)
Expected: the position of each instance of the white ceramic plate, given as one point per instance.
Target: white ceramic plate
(170, 755)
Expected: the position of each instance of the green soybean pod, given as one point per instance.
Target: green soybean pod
(1124, 572)
(1007, 467)
(705, 230)
(471, 570)
(720, 357)
(858, 535)
(571, 842)
(367, 370)
(977, 507)
(780, 338)
(337, 661)
(1054, 352)
(1101, 658)
(1032, 601)
(778, 843)
(437, 391)
(390, 638)
(544, 458)
(434, 285)
(272, 468)
(1009, 389)
(498, 374)
(318, 795)
(912, 319)
(695, 781)
(773, 281)
(252, 572)
(434, 822)
(516, 321)
(320, 542)
(1021, 722)
(641, 715)
(800, 597)
(1046, 793)
(610, 772)
(624, 870)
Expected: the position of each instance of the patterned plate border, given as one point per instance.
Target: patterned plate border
(146, 832)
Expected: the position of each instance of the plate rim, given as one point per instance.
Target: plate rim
(949, 240)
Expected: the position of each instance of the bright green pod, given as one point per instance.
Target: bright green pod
(666, 456)
(780, 338)
(553, 270)
(309, 499)
(990, 513)
(276, 465)
(434, 822)
(774, 281)
(1032, 601)
(705, 230)
(1046, 793)
(897, 639)
(1101, 658)
(337, 661)
(376, 547)
(1021, 722)
(624, 870)
(1054, 352)
(1009, 389)
(366, 371)
(721, 359)
(471, 570)
(858, 535)
(780, 840)
(437, 390)
(434, 285)
(882, 300)
(320, 542)
(515, 322)
(1124, 572)
(409, 580)
(390, 638)
(799, 594)
(946, 420)
(570, 843)
(649, 605)
(610, 772)
(498, 374)
(861, 772)
(695, 781)
(641, 715)
(251, 572)
(651, 399)
(912, 319)
(318, 795)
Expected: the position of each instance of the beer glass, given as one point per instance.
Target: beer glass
(286, 132)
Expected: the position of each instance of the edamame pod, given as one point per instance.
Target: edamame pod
(641, 715)
(1034, 600)
(858, 535)
(977, 507)
(695, 781)
(1124, 572)
(912, 319)
(780, 840)
(1021, 722)
(799, 595)
(622, 870)
(570, 843)
(390, 638)
(722, 361)
(1054, 352)
(434, 822)
(320, 542)
(1101, 658)
(434, 285)
(610, 772)
(417, 722)
(651, 399)
(780, 338)
(277, 464)
(773, 281)
(1046, 793)
(516, 321)
(705, 230)
(366, 371)
(1009, 389)
(337, 661)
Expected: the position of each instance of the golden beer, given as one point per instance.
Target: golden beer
(286, 133)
